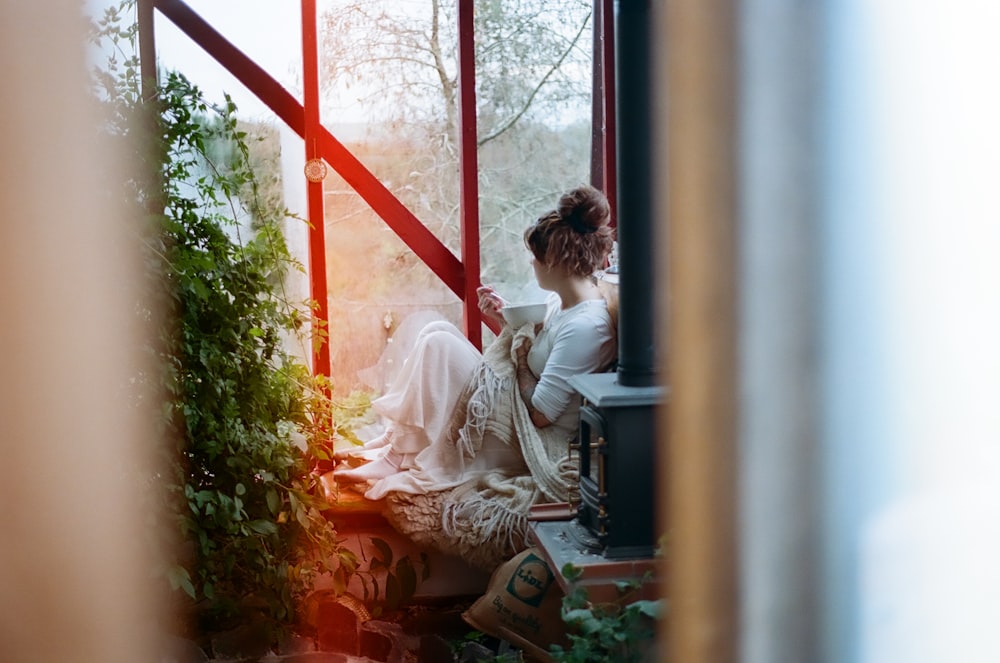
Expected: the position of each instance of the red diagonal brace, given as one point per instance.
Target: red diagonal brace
(416, 236)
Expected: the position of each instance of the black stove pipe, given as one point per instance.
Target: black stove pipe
(633, 100)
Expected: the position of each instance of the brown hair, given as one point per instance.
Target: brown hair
(576, 236)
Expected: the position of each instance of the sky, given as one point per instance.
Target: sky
(268, 31)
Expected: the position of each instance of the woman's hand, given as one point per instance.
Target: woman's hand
(526, 383)
(490, 303)
(523, 349)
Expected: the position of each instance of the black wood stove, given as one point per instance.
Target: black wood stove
(617, 466)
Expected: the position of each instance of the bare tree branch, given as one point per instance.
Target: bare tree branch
(527, 104)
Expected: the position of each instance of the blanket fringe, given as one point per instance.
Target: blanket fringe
(505, 529)
(485, 388)
(485, 520)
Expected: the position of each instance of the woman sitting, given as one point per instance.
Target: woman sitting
(474, 440)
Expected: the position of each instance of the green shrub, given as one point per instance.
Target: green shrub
(239, 494)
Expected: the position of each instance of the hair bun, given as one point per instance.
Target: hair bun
(585, 209)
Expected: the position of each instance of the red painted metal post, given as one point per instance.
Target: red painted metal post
(314, 190)
(147, 49)
(604, 22)
(597, 100)
(469, 165)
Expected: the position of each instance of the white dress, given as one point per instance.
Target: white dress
(422, 399)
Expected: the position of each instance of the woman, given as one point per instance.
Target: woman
(457, 418)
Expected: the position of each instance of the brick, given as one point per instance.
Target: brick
(248, 641)
(337, 628)
(434, 649)
(374, 645)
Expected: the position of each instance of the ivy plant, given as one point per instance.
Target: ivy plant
(247, 427)
(244, 420)
(622, 631)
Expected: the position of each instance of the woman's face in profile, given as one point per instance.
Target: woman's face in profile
(542, 273)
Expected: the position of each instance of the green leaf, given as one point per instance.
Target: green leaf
(653, 609)
(590, 626)
(407, 578)
(384, 549)
(392, 592)
(625, 586)
(178, 577)
(273, 501)
(339, 581)
(578, 615)
(348, 559)
(265, 527)
(571, 572)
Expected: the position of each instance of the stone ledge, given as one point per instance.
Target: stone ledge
(349, 508)
(600, 575)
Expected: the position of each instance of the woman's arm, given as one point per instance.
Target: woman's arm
(578, 345)
(490, 303)
(526, 383)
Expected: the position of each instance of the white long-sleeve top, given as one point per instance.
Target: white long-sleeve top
(572, 341)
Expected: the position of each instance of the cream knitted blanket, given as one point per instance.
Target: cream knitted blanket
(484, 520)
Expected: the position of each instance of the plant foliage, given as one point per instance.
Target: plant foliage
(244, 420)
(622, 632)
(235, 394)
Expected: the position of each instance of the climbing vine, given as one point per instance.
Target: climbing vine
(621, 631)
(245, 429)
(235, 396)
(239, 494)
